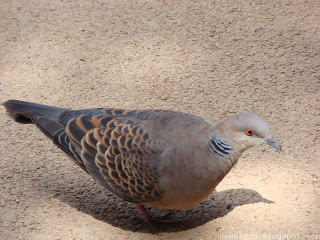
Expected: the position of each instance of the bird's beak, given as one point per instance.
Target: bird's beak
(272, 143)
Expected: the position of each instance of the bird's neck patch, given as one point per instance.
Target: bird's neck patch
(219, 146)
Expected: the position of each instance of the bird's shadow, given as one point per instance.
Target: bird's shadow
(104, 206)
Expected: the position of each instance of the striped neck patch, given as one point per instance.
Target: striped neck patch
(220, 146)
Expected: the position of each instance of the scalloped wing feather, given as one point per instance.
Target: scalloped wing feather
(117, 151)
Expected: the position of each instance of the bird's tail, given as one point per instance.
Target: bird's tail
(21, 112)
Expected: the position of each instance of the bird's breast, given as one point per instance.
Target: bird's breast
(187, 178)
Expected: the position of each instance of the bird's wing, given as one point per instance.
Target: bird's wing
(114, 147)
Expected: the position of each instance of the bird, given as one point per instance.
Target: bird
(152, 158)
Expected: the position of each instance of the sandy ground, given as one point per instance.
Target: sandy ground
(209, 58)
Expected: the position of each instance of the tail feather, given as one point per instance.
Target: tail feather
(21, 111)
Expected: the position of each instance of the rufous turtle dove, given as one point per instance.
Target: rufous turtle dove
(155, 158)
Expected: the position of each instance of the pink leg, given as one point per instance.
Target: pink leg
(149, 219)
(144, 212)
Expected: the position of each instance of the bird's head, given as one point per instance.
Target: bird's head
(245, 130)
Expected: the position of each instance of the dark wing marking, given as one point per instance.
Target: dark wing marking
(56, 132)
(111, 145)
(118, 152)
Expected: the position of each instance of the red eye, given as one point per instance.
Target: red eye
(249, 132)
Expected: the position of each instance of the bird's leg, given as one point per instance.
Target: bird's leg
(144, 212)
(149, 219)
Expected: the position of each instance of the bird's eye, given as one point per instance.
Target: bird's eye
(249, 132)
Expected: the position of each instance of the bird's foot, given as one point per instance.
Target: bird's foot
(167, 218)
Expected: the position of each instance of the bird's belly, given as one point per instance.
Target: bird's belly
(179, 201)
